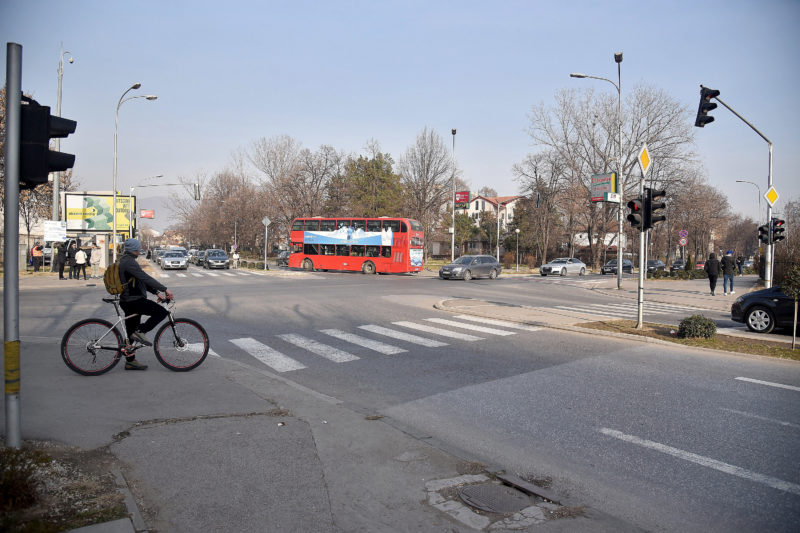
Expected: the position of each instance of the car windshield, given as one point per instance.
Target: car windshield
(173, 254)
(464, 260)
(559, 260)
(216, 254)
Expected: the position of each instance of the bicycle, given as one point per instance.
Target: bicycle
(94, 346)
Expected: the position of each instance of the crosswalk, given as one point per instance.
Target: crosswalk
(288, 352)
(189, 274)
(629, 309)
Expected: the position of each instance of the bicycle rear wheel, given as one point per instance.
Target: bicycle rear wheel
(184, 349)
(91, 347)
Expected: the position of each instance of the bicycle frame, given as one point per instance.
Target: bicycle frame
(121, 317)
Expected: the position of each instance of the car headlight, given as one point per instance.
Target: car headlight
(458, 269)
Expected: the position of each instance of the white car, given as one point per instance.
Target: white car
(563, 266)
(174, 260)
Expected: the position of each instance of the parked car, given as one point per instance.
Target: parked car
(611, 267)
(764, 310)
(283, 258)
(700, 265)
(678, 264)
(174, 259)
(467, 267)
(216, 258)
(160, 255)
(563, 266)
(749, 263)
(655, 264)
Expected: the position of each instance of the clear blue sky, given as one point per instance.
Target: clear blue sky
(341, 73)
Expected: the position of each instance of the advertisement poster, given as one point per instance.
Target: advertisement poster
(347, 235)
(91, 212)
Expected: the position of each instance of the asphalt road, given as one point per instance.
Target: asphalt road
(665, 438)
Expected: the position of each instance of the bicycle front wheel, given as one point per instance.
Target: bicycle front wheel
(181, 345)
(91, 347)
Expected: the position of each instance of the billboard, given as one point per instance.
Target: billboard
(462, 200)
(147, 213)
(92, 212)
(605, 187)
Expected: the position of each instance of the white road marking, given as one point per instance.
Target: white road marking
(403, 336)
(706, 461)
(472, 327)
(352, 338)
(227, 274)
(764, 418)
(163, 275)
(502, 323)
(438, 331)
(323, 350)
(272, 358)
(181, 275)
(213, 274)
(770, 384)
(195, 274)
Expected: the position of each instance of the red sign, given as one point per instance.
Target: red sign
(462, 197)
(147, 213)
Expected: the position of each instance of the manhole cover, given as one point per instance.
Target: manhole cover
(494, 498)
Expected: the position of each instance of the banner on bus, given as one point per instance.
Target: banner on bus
(349, 236)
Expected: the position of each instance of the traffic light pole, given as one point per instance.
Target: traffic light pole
(642, 264)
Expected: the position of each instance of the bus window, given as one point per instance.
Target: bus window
(357, 250)
(327, 225)
(393, 225)
(359, 224)
(342, 224)
(297, 225)
(403, 227)
(311, 225)
(373, 225)
(416, 226)
(328, 249)
(386, 251)
(297, 247)
(311, 249)
(373, 251)
(342, 249)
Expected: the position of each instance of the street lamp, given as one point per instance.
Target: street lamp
(122, 100)
(618, 87)
(517, 232)
(759, 196)
(57, 175)
(453, 221)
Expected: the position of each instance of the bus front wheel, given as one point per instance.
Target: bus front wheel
(308, 265)
(368, 268)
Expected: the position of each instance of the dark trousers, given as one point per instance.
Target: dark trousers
(139, 307)
(61, 265)
(712, 281)
(37, 262)
(80, 267)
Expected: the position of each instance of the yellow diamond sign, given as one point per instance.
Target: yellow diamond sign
(772, 196)
(644, 159)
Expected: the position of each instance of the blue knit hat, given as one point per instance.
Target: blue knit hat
(132, 245)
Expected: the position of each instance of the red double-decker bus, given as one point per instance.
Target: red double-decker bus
(385, 245)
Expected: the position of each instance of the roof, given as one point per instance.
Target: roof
(499, 199)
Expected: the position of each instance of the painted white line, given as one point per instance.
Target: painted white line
(400, 335)
(770, 384)
(323, 350)
(227, 274)
(438, 331)
(197, 275)
(181, 275)
(213, 274)
(764, 418)
(163, 275)
(494, 322)
(472, 327)
(352, 338)
(584, 311)
(272, 358)
(706, 461)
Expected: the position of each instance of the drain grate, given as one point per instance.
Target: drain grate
(494, 498)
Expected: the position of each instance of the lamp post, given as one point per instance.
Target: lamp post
(57, 175)
(122, 100)
(759, 196)
(618, 87)
(453, 221)
(517, 232)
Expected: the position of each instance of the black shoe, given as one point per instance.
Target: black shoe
(139, 336)
(133, 364)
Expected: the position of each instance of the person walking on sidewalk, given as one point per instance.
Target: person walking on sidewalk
(80, 263)
(61, 259)
(94, 260)
(134, 302)
(73, 270)
(712, 268)
(740, 263)
(728, 265)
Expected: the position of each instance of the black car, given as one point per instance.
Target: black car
(678, 264)
(215, 258)
(467, 267)
(611, 267)
(764, 310)
(655, 264)
(283, 258)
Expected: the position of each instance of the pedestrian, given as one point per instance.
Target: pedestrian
(740, 263)
(73, 270)
(728, 265)
(80, 263)
(712, 268)
(61, 259)
(37, 252)
(94, 260)
(235, 259)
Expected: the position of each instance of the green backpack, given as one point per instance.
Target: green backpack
(112, 280)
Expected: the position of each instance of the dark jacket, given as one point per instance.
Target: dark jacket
(728, 264)
(140, 284)
(712, 267)
(61, 257)
(71, 255)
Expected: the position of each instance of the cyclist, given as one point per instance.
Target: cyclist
(134, 300)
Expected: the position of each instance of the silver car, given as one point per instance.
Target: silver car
(174, 260)
(467, 267)
(563, 266)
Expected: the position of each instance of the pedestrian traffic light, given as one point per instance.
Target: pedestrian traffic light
(763, 233)
(636, 216)
(36, 158)
(706, 105)
(653, 207)
(778, 228)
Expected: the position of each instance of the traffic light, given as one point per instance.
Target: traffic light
(763, 233)
(706, 105)
(652, 207)
(197, 191)
(36, 158)
(636, 216)
(778, 227)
